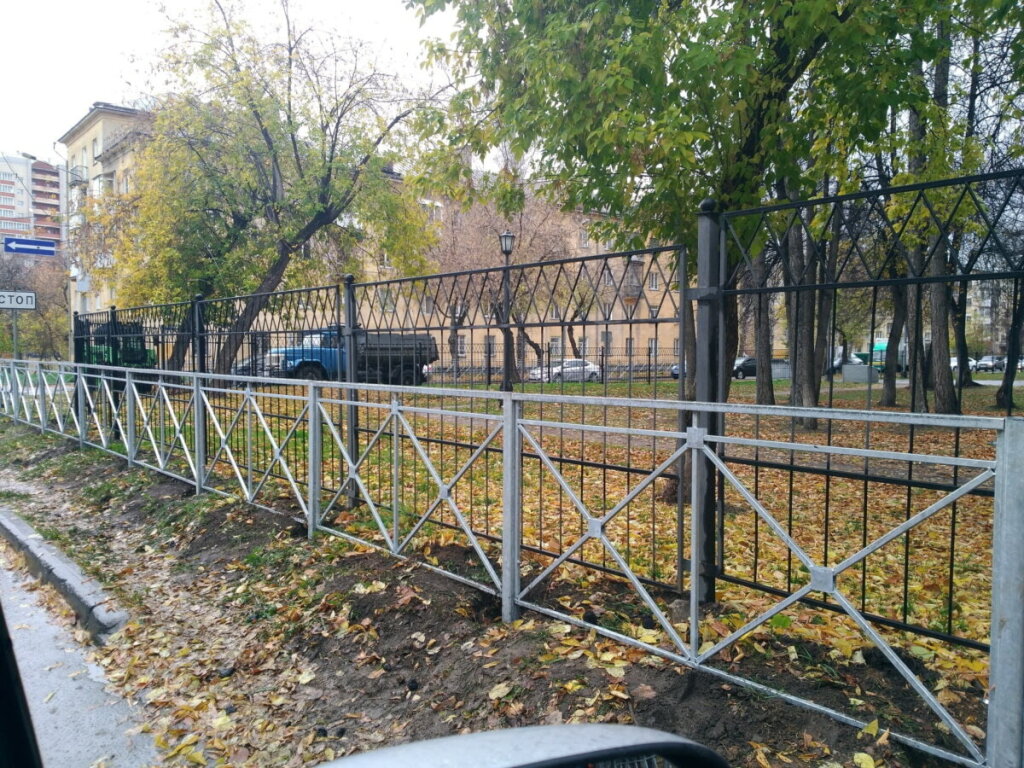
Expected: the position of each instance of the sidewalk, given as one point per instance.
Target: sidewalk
(77, 723)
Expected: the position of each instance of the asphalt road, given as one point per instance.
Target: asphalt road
(77, 723)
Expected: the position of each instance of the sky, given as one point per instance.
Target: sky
(63, 55)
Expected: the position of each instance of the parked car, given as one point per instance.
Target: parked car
(744, 366)
(991, 363)
(566, 370)
(838, 363)
(972, 364)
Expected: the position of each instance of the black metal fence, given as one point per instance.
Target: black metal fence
(874, 300)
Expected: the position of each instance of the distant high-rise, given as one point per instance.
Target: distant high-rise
(31, 198)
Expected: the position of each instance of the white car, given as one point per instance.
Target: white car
(566, 370)
(972, 364)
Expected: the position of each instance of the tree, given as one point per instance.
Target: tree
(44, 330)
(466, 238)
(265, 151)
(640, 109)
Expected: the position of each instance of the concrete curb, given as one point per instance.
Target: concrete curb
(89, 602)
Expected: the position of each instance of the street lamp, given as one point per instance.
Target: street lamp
(506, 240)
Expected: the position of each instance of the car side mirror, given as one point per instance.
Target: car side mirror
(550, 746)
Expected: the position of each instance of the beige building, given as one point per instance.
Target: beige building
(100, 151)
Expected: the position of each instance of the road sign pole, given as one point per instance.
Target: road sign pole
(14, 333)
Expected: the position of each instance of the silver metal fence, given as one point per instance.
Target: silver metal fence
(461, 512)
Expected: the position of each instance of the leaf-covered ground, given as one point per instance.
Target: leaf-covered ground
(250, 645)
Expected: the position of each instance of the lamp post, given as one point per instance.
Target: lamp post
(506, 240)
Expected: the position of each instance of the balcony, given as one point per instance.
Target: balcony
(78, 176)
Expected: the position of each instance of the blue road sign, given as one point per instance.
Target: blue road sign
(33, 247)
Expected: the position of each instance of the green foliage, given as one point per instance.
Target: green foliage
(265, 151)
(640, 109)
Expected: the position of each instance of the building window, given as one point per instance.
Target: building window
(387, 300)
(489, 345)
(652, 310)
(584, 238)
(554, 313)
(606, 341)
(629, 346)
(460, 345)
(555, 346)
(95, 148)
(606, 276)
(584, 347)
(675, 347)
(427, 305)
(652, 347)
(653, 281)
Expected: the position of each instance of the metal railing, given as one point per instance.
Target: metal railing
(475, 484)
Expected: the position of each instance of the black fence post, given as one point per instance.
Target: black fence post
(708, 296)
(507, 351)
(488, 358)
(198, 334)
(351, 371)
(111, 338)
(79, 341)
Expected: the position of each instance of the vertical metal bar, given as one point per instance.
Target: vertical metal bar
(396, 468)
(129, 415)
(248, 441)
(14, 334)
(351, 369)
(15, 382)
(199, 430)
(198, 411)
(708, 294)
(41, 398)
(506, 327)
(512, 509)
(80, 403)
(695, 440)
(682, 329)
(315, 441)
(1004, 747)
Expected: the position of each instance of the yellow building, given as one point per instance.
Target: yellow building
(100, 151)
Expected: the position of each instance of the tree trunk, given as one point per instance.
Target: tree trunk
(763, 327)
(254, 304)
(1004, 395)
(892, 347)
(945, 392)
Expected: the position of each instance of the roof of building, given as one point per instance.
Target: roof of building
(95, 111)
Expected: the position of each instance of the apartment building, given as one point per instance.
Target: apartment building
(31, 194)
(100, 150)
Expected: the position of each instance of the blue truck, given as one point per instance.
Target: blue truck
(381, 357)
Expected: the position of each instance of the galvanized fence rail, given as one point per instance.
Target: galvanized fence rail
(473, 507)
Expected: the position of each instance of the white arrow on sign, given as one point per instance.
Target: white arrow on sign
(23, 245)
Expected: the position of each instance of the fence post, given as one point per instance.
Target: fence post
(1004, 746)
(80, 404)
(351, 369)
(129, 415)
(198, 409)
(708, 296)
(507, 344)
(41, 398)
(396, 470)
(315, 439)
(683, 329)
(511, 516)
